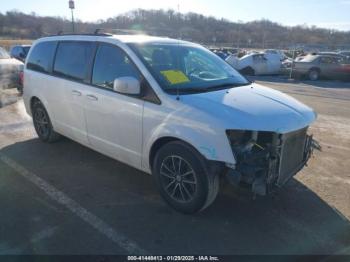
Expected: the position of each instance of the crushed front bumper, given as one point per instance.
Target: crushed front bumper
(270, 168)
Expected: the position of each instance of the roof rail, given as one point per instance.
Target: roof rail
(96, 33)
(123, 31)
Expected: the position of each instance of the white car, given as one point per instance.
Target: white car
(256, 63)
(280, 53)
(169, 108)
(10, 69)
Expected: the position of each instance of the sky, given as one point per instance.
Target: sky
(334, 14)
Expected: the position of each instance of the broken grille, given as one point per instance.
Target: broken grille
(292, 155)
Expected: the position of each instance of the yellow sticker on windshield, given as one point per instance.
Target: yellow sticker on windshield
(175, 76)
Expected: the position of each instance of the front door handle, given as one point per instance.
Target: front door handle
(92, 97)
(76, 93)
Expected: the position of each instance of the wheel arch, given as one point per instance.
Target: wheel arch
(160, 142)
(316, 69)
(43, 101)
(213, 153)
(248, 70)
(32, 100)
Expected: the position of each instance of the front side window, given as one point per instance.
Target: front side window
(41, 57)
(73, 59)
(187, 68)
(14, 51)
(111, 63)
(327, 60)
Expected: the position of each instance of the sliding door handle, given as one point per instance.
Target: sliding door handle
(92, 97)
(76, 93)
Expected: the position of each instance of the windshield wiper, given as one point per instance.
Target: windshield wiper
(206, 89)
(222, 86)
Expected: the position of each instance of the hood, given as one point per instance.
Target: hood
(253, 107)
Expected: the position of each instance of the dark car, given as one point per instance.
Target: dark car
(319, 66)
(20, 52)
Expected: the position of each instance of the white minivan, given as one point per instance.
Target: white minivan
(170, 108)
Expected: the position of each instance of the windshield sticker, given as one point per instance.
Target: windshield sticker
(175, 77)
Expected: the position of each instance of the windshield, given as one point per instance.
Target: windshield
(3, 54)
(182, 68)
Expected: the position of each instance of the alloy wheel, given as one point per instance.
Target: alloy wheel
(178, 179)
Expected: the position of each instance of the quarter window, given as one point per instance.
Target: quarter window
(73, 59)
(111, 63)
(41, 57)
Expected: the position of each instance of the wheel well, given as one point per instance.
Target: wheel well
(248, 70)
(157, 145)
(32, 101)
(214, 166)
(316, 69)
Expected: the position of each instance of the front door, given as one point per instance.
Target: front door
(114, 121)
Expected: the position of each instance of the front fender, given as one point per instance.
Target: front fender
(213, 145)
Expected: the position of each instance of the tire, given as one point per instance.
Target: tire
(42, 123)
(314, 74)
(183, 178)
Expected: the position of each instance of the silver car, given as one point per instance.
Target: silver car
(319, 66)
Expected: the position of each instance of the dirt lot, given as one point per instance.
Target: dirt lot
(66, 199)
(7, 43)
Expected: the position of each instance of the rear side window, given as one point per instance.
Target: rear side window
(41, 57)
(111, 63)
(73, 59)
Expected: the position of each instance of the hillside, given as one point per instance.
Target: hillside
(190, 26)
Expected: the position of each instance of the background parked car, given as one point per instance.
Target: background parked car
(20, 52)
(315, 67)
(256, 63)
(9, 70)
(345, 53)
(337, 55)
(280, 53)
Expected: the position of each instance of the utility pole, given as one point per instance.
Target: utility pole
(71, 7)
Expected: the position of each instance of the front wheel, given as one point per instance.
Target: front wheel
(314, 74)
(183, 178)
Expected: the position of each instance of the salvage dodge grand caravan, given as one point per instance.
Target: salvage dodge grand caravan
(167, 107)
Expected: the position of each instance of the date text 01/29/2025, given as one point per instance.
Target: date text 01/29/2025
(173, 258)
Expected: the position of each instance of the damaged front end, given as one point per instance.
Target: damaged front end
(267, 160)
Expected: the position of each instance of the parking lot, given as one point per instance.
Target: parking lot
(64, 198)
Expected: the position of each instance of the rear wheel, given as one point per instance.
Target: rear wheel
(183, 178)
(314, 74)
(42, 123)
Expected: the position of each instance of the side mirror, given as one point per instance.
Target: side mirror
(127, 85)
